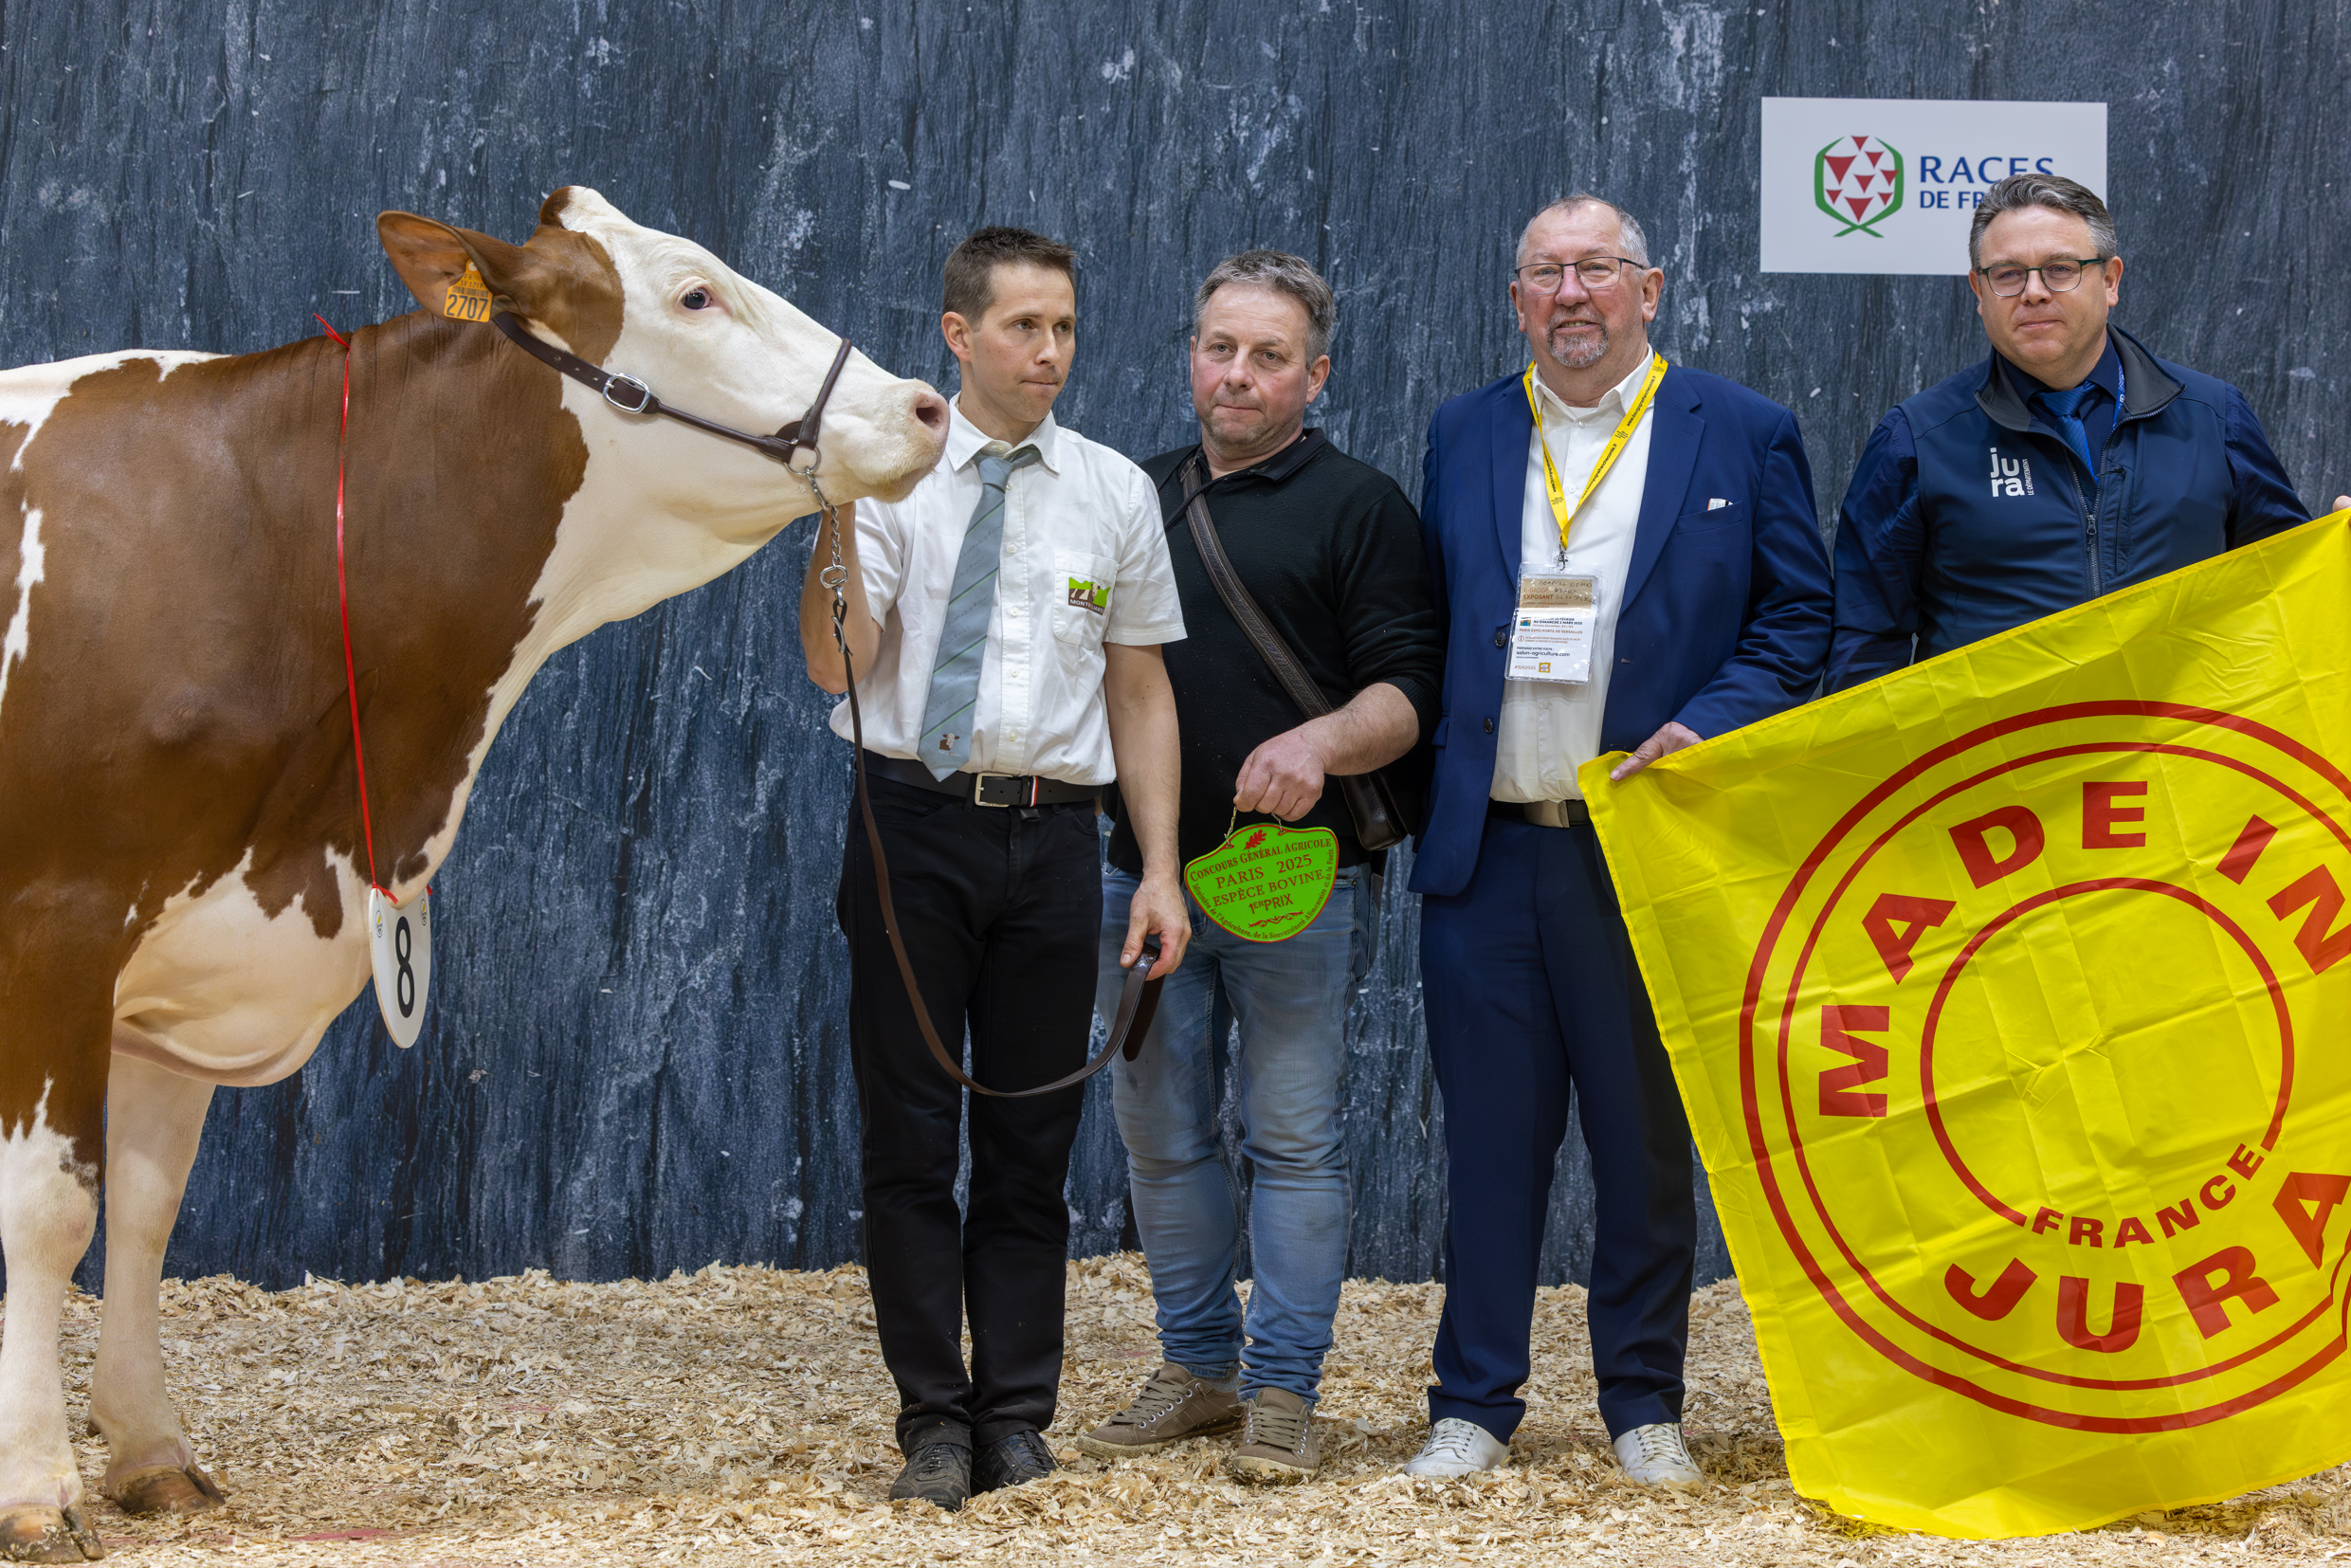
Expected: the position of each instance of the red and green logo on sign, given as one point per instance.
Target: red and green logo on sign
(1858, 181)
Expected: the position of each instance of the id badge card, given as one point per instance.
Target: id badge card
(1551, 633)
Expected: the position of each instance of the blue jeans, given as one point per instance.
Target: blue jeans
(1291, 998)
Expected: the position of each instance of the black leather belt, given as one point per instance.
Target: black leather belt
(981, 789)
(1542, 814)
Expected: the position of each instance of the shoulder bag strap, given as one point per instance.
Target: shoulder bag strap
(1300, 686)
(1371, 804)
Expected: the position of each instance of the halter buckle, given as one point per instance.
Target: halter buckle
(611, 393)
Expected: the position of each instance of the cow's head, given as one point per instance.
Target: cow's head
(706, 340)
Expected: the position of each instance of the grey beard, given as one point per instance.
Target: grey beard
(1585, 352)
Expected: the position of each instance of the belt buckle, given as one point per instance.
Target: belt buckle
(979, 791)
(1550, 813)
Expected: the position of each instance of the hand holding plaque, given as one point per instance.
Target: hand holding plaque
(1266, 882)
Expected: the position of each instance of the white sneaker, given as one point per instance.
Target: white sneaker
(1458, 1448)
(1656, 1456)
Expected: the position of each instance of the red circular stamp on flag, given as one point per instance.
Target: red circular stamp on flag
(2041, 1065)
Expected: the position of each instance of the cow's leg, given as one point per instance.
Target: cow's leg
(49, 1173)
(153, 1118)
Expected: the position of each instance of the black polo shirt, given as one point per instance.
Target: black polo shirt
(1331, 551)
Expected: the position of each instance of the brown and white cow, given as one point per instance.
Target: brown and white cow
(182, 877)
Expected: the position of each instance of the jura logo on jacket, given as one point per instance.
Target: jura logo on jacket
(1929, 561)
(2010, 476)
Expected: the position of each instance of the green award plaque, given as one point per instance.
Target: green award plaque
(1266, 882)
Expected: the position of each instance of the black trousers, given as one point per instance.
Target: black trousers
(1001, 911)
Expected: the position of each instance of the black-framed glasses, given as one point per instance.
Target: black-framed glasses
(1593, 272)
(2060, 276)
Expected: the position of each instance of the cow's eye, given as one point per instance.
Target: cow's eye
(696, 298)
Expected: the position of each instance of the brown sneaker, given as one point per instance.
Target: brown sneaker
(1278, 1446)
(1172, 1406)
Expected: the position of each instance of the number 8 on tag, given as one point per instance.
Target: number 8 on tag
(400, 944)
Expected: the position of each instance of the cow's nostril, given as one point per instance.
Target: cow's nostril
(932, 410)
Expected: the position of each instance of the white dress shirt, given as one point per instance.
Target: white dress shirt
(1084, 562)
(1549, 728)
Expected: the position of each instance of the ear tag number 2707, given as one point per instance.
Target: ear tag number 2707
(400, 947)
(1551, 633)
(468, 298)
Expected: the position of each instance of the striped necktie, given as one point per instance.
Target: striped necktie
(946, 742)
(2065, 410)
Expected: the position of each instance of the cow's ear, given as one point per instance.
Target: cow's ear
(431, 256)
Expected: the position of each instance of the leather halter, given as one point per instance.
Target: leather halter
(630, 395)
(1139, 996)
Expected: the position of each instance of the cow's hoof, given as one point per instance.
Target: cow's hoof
(166, 1489)
(30, 1533)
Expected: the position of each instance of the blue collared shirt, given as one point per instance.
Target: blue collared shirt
(2097, 414)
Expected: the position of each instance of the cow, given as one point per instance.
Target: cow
(184, 864)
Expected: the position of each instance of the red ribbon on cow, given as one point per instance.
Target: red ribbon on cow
(342, 591)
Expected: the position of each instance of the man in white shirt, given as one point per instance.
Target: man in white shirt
(1628, 560)
(1006, 621)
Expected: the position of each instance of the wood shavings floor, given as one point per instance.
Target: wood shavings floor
(743, 1415)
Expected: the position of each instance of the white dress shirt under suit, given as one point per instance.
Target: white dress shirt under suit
(1550, 728)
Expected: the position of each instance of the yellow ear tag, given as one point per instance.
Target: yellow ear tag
(468, 298)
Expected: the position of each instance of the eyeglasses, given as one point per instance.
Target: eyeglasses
(2008, 279)
(1593, 272)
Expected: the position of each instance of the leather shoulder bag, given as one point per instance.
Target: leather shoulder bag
(1372, 800)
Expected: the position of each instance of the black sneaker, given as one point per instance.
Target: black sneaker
(1012, 1461)
(938, 1470)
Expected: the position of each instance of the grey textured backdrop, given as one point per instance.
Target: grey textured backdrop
(636, 1056)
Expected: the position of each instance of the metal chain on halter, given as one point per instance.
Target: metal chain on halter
(836, 576)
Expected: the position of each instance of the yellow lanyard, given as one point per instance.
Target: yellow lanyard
(1625, 426)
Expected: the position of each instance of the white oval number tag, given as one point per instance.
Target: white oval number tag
(400, 942)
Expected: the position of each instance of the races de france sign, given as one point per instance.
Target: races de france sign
(1891, 184)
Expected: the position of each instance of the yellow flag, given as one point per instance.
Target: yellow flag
(2009, 998)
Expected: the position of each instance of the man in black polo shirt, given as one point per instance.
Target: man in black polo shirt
(1330, 548)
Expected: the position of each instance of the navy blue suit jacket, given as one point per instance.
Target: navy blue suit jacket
(1725, 613)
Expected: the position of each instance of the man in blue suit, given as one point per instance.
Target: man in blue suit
(1627, 558)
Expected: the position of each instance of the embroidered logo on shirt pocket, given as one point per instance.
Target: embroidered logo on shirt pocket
(1082, 608)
